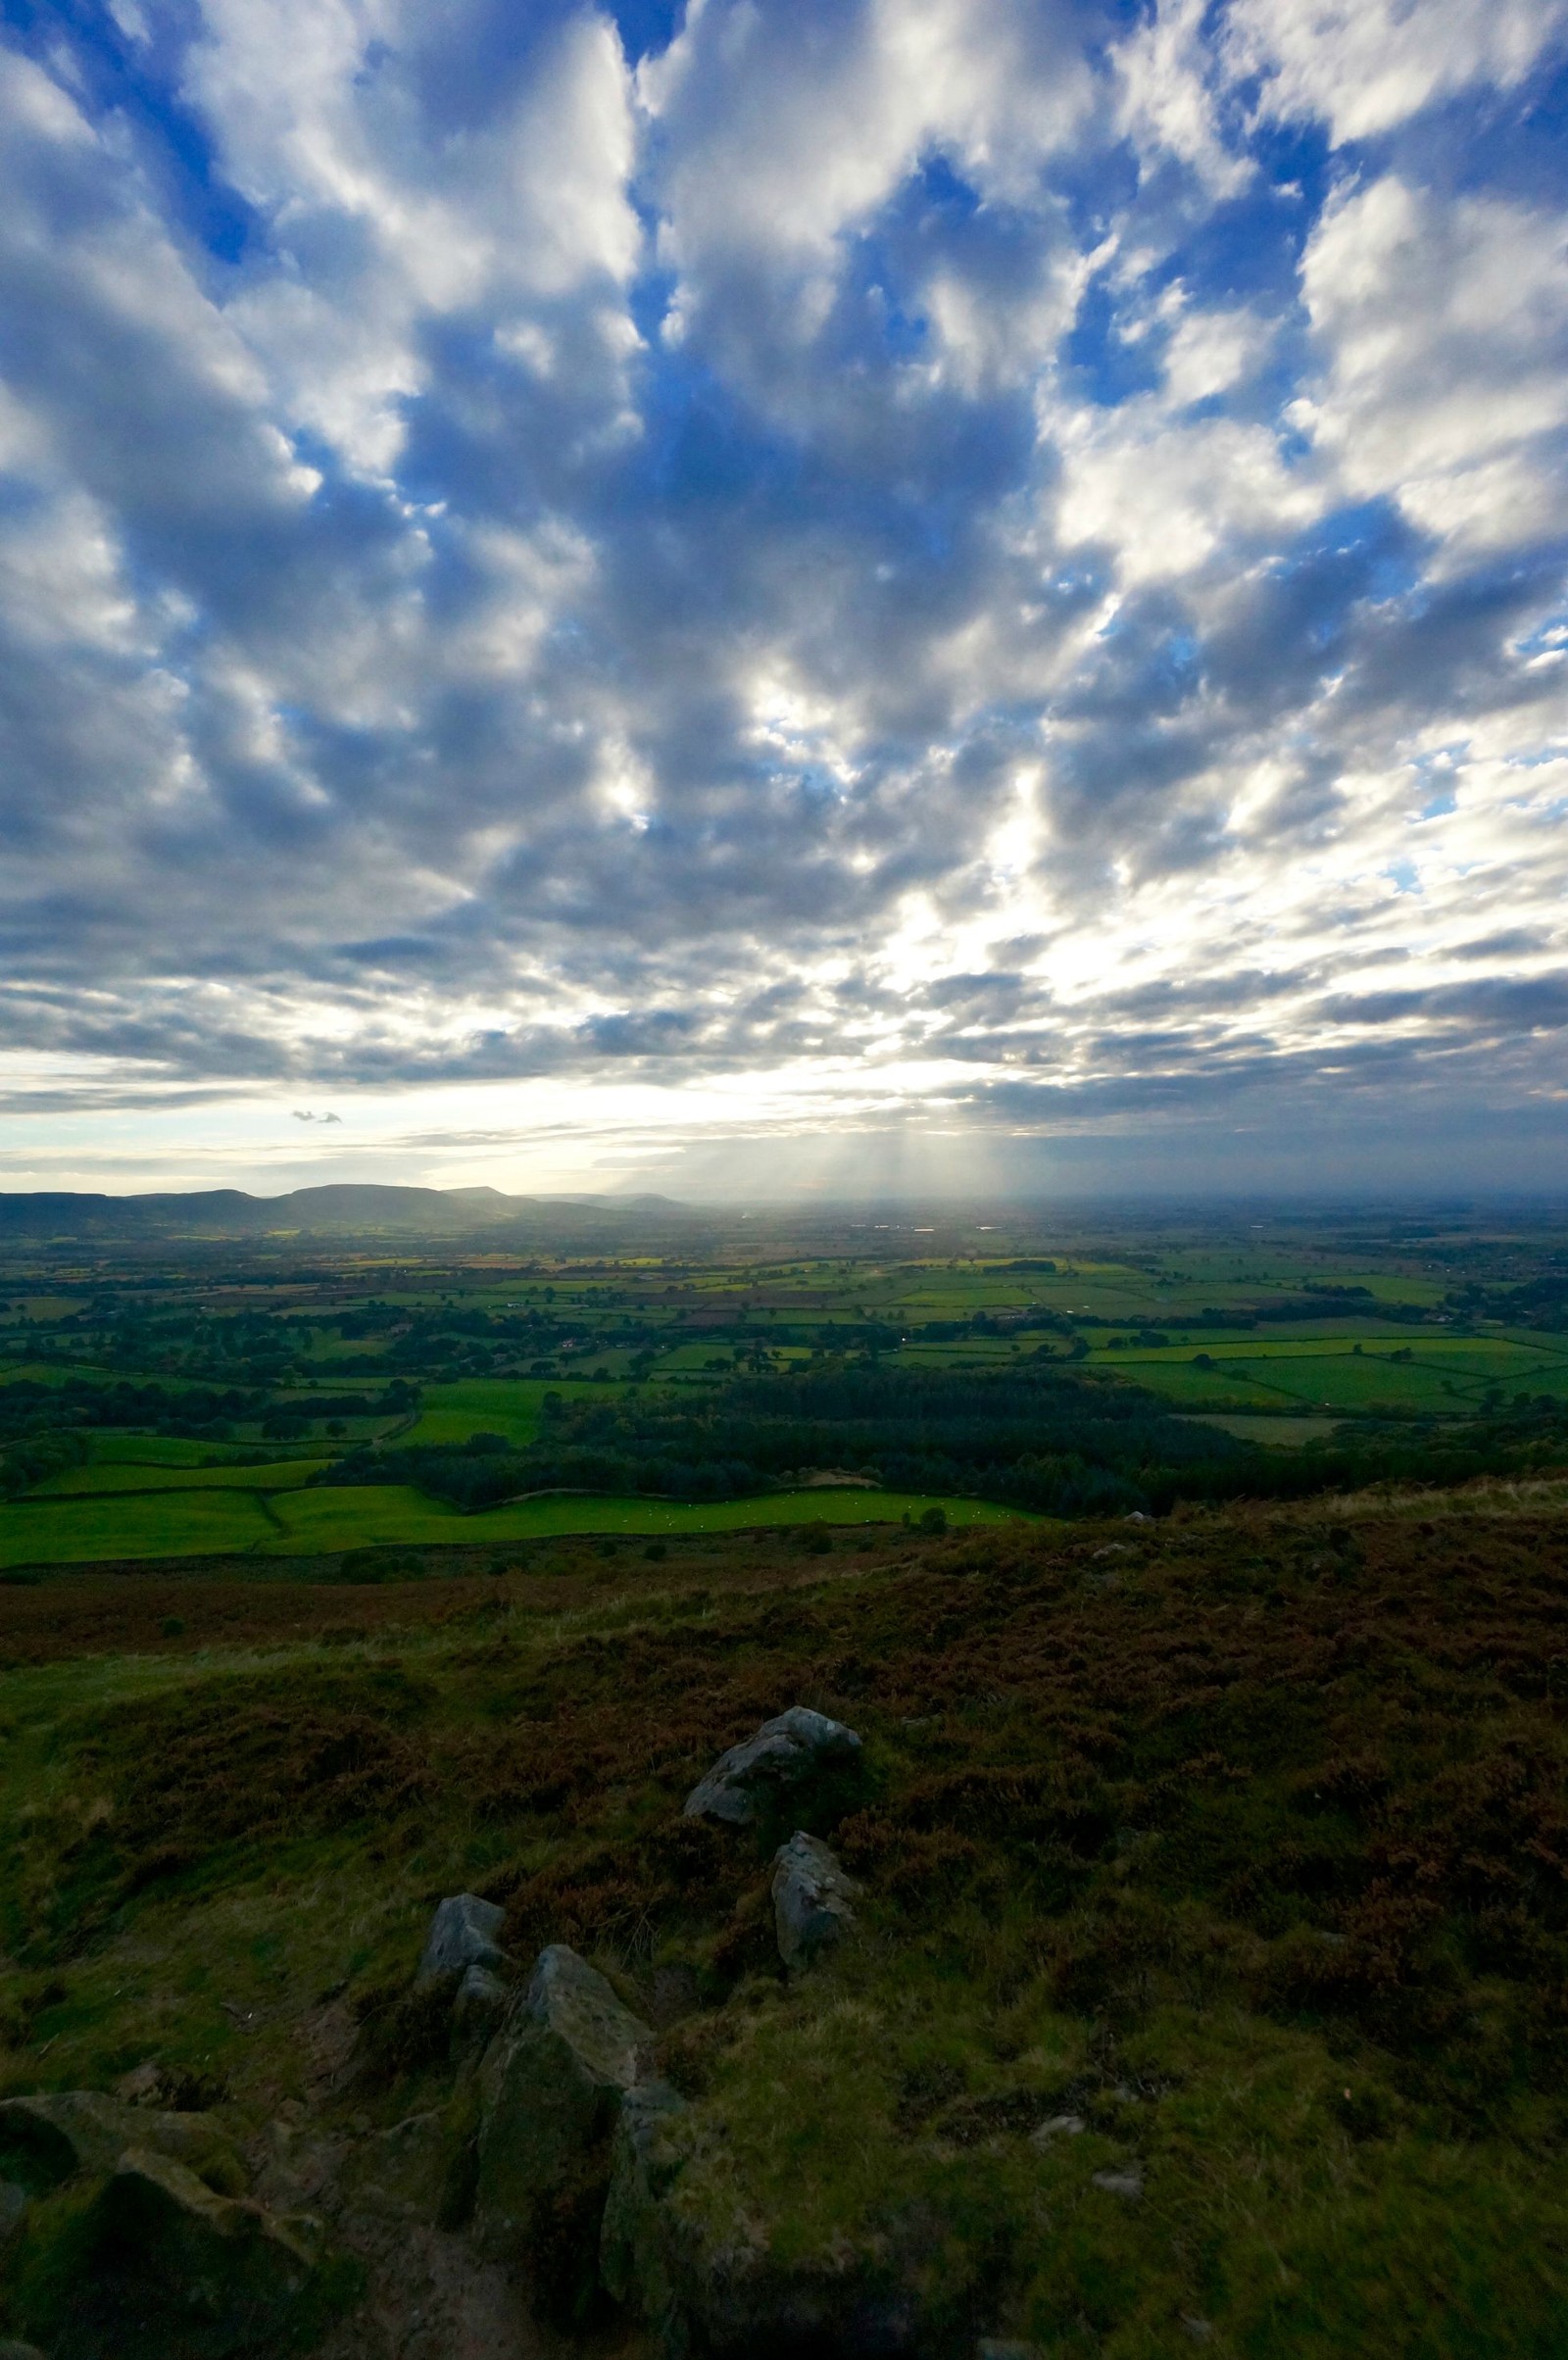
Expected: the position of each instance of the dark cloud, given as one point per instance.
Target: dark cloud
(933, 538)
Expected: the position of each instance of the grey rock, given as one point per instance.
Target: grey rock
(464, 1933)
(480, 2003)
(1059, 2125)
(9, 2350)
(229, 2262)
(784, 1755)
(633, 2248)
(51, 2137)
(550, 2087)
(1004, 2347)
(703, 2272)
(1202, 2330)
(1128, 2184)
(813, 1899)
(143, 2086)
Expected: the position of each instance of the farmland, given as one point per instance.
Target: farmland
(264, 1398)
(1196, 1593)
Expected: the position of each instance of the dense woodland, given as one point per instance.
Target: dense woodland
(1039, 1436)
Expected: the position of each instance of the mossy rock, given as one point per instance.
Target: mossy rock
(147, 2262)
(552, 2088)
(49, 2137)
(800, 1770)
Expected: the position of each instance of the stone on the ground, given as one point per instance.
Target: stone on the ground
(1004, 2347)
(400, 2172)
(1128, 2182)
(49, 2137)
(143, 2086)
(813, 1898)
(464, 1933)
(1059, 2125)
(680, 2246)
(11, 2349)
(633, 2256)
(550, 2087)
(733, 2297)
(480, 2003)
(784, 1756)
(211, 2257)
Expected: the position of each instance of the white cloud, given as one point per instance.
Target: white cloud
(1165, 496)
(991, 643)
(1445, 326)
(1364, 65)
(1167, 104)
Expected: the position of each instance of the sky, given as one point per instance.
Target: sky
(865, 596)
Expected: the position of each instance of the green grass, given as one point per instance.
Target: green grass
(1460, 1350)
(1340, 1373)
(508, 1406)
(113, 1449)
(1108, 1828)
(1184, 1387)
(208, 1520)
(350, 1519)
(1277, 1433)
(105, 1478)
(186, 1523)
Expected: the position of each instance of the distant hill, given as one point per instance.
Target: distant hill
(355, 1207)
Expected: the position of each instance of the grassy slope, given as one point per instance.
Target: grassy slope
(106, 1478)
(52, 1532)
(211, 1518)
(1245, 1844)
(508, 1406)
(112, 1448)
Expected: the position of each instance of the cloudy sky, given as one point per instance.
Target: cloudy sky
(849, 593)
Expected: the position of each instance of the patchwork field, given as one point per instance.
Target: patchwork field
(1349, 1372)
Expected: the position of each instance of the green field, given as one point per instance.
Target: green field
(1345, 1373)
(1283, 1433)
(508, 1406)
(110, 1479)
(153, 1524)
(111, 1448)
(295, 1523)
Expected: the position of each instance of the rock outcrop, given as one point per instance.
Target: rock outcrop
(776, 1772)
(52, 2136)
(813, 1899)
(634, 2247)
(552, 2083)
(133, 2235)
(464, 1934)
(480, 2003)
(214, 2257)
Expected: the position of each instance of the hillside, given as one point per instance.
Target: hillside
(354, 1207)
(1204, 1985)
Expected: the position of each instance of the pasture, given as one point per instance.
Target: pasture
(209, 1522)
(1348, 1374)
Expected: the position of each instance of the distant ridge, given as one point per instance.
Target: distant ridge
(357, 1207)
